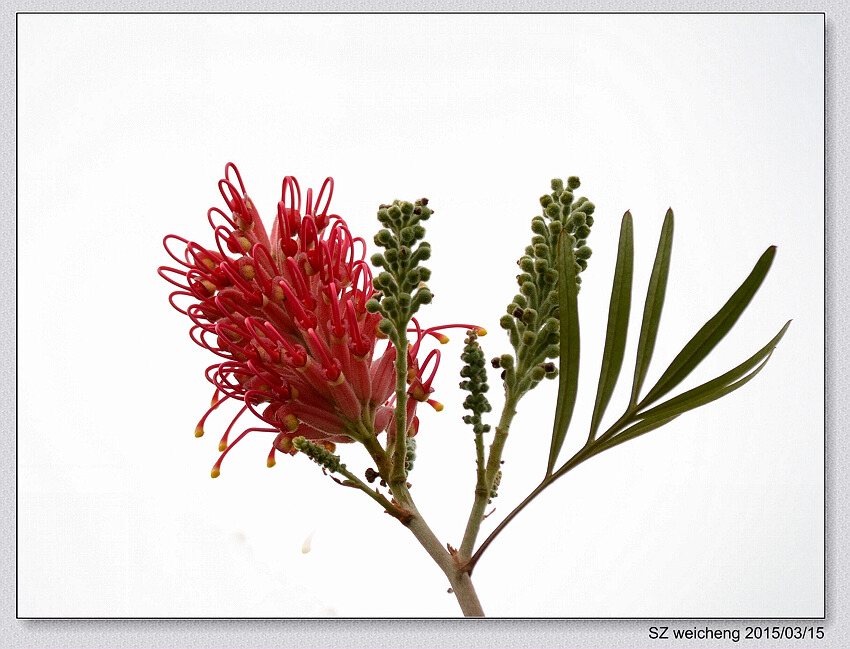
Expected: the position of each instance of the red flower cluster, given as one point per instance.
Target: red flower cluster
(286, 312)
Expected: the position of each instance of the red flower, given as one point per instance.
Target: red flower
(286, 312)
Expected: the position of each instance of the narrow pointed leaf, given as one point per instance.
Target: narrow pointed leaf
(713, 389)
(659, 419)
(653, 305)
(569, 357)
(712, 332)
(618, 323)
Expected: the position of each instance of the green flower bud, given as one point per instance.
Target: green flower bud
(528, 338)
(566, 198)
(553, 211)
(526, 264)
(588, 207)
(423, 296)
(424, 274)
(545, 200)
(551, 276)
(406, 208)
(557, 185)
(555, 228)
(538, 225)
(373, 306)
(385, 327)
(394, 212)
(582, 263)
(383, 238)
(583, 253)
(506, 322)
(407, 236)
(552, 324)
(378, 260)
(553, 351)
(541, 250)
(390, 304)
(506, 362)
(578, 219)
(582, 232)
(522, 278)
(528, 289)
(573, 182)
(537, 373)
(589, 220)
(541, 266)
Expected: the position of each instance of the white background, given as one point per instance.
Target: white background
(125, 124)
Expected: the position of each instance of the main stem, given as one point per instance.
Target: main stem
(459, 579)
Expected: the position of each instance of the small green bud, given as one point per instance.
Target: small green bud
(423, 296)
(557, 185)
(541, 266)
(552, 324)
(553, 351)
(582, 263)
(551, 276)
(418, 231)
(404, 301)
(373, 306)
(506, 322)
(553, 210)
(526, 264)
(394, 212)
(537, 373)
(589, 220)
(555, 228)
(528, 338)
(390, 304)
(578, 219)
(407, 236)
(506, 362)
(424, 274)
(383, 238)
(522, 278)
(545, 200)
(582, 232)
(536, 240)
(541, 250)
(566, 198)
(521, 300)
(588, 207)
(528, 289)
(378, 260)
(529, 317)
(406, 208)
(538, 225)
(385, 327)
(583, 253)
(573, 182)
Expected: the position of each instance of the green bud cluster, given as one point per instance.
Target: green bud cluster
(494, 491)
(400, 284)
(409, 454)
(532, 317)
(319, 454)
(474, 373)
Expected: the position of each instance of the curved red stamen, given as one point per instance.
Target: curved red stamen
(199, 429)
(304, 318)
(233, 245)
(230, 221)
(308, 210)
(324, 211)
(171, 297)
(216, 470)
(337, 328)
(291, 183)
(252, 296)
(300, 284)
(310, 243)
(222, 443)
(227, 169)
(275, 335)
(359, 346)
(435, 353)
(185, 242)
(234, 201)
(332, 372)
(162, 270)
(261, 340)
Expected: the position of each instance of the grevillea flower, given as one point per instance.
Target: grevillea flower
(286, 313)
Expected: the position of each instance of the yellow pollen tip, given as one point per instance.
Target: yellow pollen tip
(442, 338)
(270, 462)
(290, 422)
(222, 447)
(199, 431)
(246, 245)
(482, 331)
(247, 272)
(215, 473)
(438, 406)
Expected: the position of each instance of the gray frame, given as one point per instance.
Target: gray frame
(435, 632)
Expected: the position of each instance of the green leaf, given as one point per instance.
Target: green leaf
(569, 357)
(712, 332)
(654, 303)
(618, 323)
(714, 389)
(700, 396)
